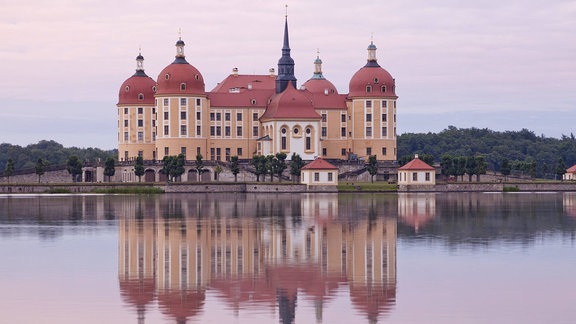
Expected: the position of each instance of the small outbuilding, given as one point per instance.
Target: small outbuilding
(416, 172)
(570, 173)
(319, 173)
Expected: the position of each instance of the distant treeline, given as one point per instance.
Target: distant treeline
(521, 149)
(50, 151)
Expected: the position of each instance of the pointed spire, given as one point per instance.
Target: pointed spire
(286, 63)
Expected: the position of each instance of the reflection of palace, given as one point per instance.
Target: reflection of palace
(416, 209)
(256, 253)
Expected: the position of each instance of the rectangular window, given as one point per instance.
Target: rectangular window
(212, 116)
(227, 116)
(153, 122)
(324, 131)
(316, 176)
(368, 103)
(343, 132)
(384, 131)
(165, 115)
(140, 123)
(153, 111)
(384, 103)
(125, 122)
(140, 110)
(212, 130)
(239, 116)
(384, 151)
(198, 102)
(324, 118)
(324, 152)
(368, 131)
(227, 152)
(140, 136)
(239, 152)
(125, 111)
(414, 176)
(254, 116)
(198, 130)
(198, 116)
(394, 104)
(343, 118)
(238, 131)
(212, 154)
(166, 150)
(384, 117)
(183, 150)
(183, 102)
(125, 155)
(125, 136)
(165, 101)
(283, 143)
(218, 116)
(197, 150)
(227, 131)
(255, 131)
(368, 151)
(218, 155)
(368, 117)
(427, 176)
(153, 136)
(343, 152)
(166, 130)
(182, 129)
(183, 115)
(330, 177)
(218, 131)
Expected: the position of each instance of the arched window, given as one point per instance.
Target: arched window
(383, 88)
(308, 139)
(368, 88)
(182, 86)
(284, 144)
(140, 96)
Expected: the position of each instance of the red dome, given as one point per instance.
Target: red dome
(320, 86)
(290, 103)
(180, 78)
(138, 89)
(372, 81)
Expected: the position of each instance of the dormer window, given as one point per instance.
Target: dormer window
(196, 77)
(140, 96)
(253, 101)
(383, 88)
(127, 88)
(368, 88)
(376, 80)
(154, 89)
(167, 76)
(182, 86)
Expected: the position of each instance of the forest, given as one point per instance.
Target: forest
(522, 151)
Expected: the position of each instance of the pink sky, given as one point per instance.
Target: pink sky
(63, 61)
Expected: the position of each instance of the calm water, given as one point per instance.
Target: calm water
(306, 258)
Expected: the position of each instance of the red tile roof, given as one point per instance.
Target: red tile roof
(571, 169)
(416, 164)
(244, 82)
(319, 164)
(290, 104)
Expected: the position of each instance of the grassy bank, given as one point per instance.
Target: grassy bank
(367, 187)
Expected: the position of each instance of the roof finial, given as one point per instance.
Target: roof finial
(286, 5)
(180, 33)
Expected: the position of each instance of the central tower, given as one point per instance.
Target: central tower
(285, 64)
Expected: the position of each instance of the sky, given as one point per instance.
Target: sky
(503, 65)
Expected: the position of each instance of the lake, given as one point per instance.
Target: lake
(288, 258)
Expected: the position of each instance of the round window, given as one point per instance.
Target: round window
(307, 130)
(127, 88)
(295, 130)
(283, 130)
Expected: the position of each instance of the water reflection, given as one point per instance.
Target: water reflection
(258, 253)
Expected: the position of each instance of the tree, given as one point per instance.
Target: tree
(177, 166)
(470, 167)
(74, 167)
(296, 165)
(481, 166)
(460, 166)
(9, 169)
(139, 168)
(40, 168)
(259, 163)
(280, 165)
(109, 168)
(560, 168)
(447, 165)
(427, 158)
(217, 170)
(505, 168)
(234, 167)
(199, 165)
(167, 162)
(270, 166)
(372, 167)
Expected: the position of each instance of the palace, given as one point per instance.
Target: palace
(246, 115)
